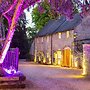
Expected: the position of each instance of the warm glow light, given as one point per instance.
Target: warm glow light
(68, 76)
(59, 35)
(58, 61)
(84, 63)
(35, 56)
(68, 34)
(59, 57)
(10, 71)
(76, 64)
(86, 51)
(44, 60)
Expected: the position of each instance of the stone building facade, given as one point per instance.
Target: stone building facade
(54, 44)
(51, 49)
(82, 43)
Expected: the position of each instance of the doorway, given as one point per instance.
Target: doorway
(57, 57)
(67, 57)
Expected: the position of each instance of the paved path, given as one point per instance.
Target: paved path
(49, 77)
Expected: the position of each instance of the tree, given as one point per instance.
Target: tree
(42, 13)
(31, 32)
(20, 39)
(11, 10)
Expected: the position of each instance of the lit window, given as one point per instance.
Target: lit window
(73, 43)
(59, 35)
(68, 33)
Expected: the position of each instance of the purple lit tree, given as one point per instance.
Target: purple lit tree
(12, 9)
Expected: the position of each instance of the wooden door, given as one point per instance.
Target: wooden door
(66, 57)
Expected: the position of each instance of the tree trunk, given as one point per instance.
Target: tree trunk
(11, 30)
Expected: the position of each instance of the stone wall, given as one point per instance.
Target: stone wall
(52, 43)
(43, 45)
(86, 59)
(61, 43)
(82, 32)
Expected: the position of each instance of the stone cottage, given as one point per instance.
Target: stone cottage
(54, 44)
(82, 42)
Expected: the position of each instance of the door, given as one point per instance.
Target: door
(57, 57)
(67, 57)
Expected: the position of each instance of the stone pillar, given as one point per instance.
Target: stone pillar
(86, 60)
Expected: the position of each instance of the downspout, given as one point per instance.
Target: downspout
(35, 50)
(51, 51)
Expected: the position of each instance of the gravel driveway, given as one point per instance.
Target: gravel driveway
(50, 77)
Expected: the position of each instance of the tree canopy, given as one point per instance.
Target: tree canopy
(41, 14)
(7, 7)
(12, 9)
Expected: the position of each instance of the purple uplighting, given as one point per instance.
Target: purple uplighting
(10, 63)
(10, 71)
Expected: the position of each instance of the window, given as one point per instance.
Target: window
(59, 35)
(42, 39)
(68, 34)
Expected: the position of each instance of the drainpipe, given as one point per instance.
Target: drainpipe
(35, 50)
(51, 51)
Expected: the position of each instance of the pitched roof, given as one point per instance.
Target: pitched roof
(69, 25)
(60, 25)
(45, 28)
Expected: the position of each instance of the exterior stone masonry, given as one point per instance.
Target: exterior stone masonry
(47, 46)
(60, 42)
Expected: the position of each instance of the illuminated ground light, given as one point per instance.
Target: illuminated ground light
(68, 76)
(44, 60)
(85, 64)
(10, 71)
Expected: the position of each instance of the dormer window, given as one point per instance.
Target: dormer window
(59, 35)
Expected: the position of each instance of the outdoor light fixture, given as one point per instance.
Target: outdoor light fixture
(10, 71)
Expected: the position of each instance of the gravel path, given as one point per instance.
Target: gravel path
(49, 77)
